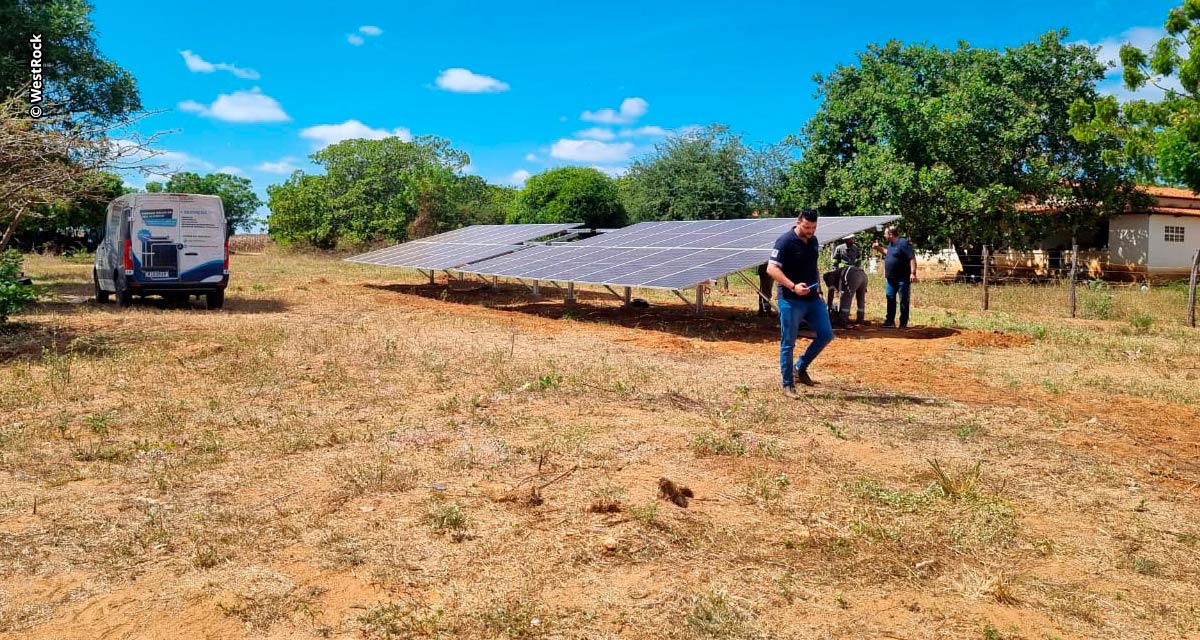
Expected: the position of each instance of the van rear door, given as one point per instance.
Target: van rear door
(154, 232)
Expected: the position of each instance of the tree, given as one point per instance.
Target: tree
(955, 140)
(569, 194)
(52, 224)
(477, 202)
(50, 163)
(79, 81)
(1161, 140)
(694, 176)
(372, 190)
(237, 198)
(768, 173)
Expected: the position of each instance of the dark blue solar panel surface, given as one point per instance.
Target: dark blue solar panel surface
(664, 255)
(460, 247)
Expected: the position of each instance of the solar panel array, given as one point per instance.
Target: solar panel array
(460, 247)
(663, 255)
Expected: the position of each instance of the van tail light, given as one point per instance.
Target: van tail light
(226, 256)
(127, 256)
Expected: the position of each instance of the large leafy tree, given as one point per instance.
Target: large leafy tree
(237, 198)
(961, 142)
(373, 190)
(569, 194)
(1161, 138)
(695, 176)
(80, 81)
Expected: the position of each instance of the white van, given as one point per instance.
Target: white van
(168, 244)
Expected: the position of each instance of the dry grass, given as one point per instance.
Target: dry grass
(337, 455)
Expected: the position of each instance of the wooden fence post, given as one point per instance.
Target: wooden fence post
(985, 277)
(1074, 268)
(1192, 289)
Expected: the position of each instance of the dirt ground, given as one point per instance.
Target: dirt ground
(345, 452)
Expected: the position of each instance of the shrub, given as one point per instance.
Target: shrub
(14, 295)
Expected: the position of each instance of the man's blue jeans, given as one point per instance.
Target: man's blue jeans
(790, 313)
(897, 288)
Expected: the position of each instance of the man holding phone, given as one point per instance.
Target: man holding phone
(793, 264)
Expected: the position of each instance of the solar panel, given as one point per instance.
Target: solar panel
(460, 247)
(664, 255)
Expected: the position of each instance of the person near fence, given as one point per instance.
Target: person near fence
(900, 271)
(793, 264)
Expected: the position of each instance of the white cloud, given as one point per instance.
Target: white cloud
(239, 106)
(529, 157)
(591, 151)
(370, 30)
(233, 171)
(612, 172)
(461, 80)
(518, 177)
(284, 166)
(355, 39)
(631, 109)
(596, 133)
(326, 134)
(196, 64)
(648, 131)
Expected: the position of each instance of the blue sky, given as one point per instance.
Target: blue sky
(255, 87)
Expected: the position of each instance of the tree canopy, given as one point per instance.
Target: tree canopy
(385, 189)
(80, 81)
(1161, 139)
(694, 176)
(569, 194)
(955, 139)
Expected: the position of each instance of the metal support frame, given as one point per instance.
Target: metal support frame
(430, 274)
(628, 297)
(680, 296)
(757, 291)
(537, 288)
(619, 297)
(570, 299)
(531, 289)
(699, 301)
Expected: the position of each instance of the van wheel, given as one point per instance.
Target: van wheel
(101, 294)
(215, 299)
(124, 296)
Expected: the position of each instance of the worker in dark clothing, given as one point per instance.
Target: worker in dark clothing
(793, 265)
(847, 253)
(765, 286)
(900, 270)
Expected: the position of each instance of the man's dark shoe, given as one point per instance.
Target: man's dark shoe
(803, 378)
(888, 325)
(790, 392)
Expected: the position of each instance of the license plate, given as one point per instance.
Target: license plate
(156, 274)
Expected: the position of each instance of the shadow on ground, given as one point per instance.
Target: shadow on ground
(718, 323)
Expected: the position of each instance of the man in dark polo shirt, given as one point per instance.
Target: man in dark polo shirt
(793, 265)
(900, 270)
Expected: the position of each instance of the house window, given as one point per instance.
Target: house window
(1173, 234)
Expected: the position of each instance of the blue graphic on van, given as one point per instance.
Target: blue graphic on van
(158, 217)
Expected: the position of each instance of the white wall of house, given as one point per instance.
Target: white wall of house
(1129, 241)
(1172, 254)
